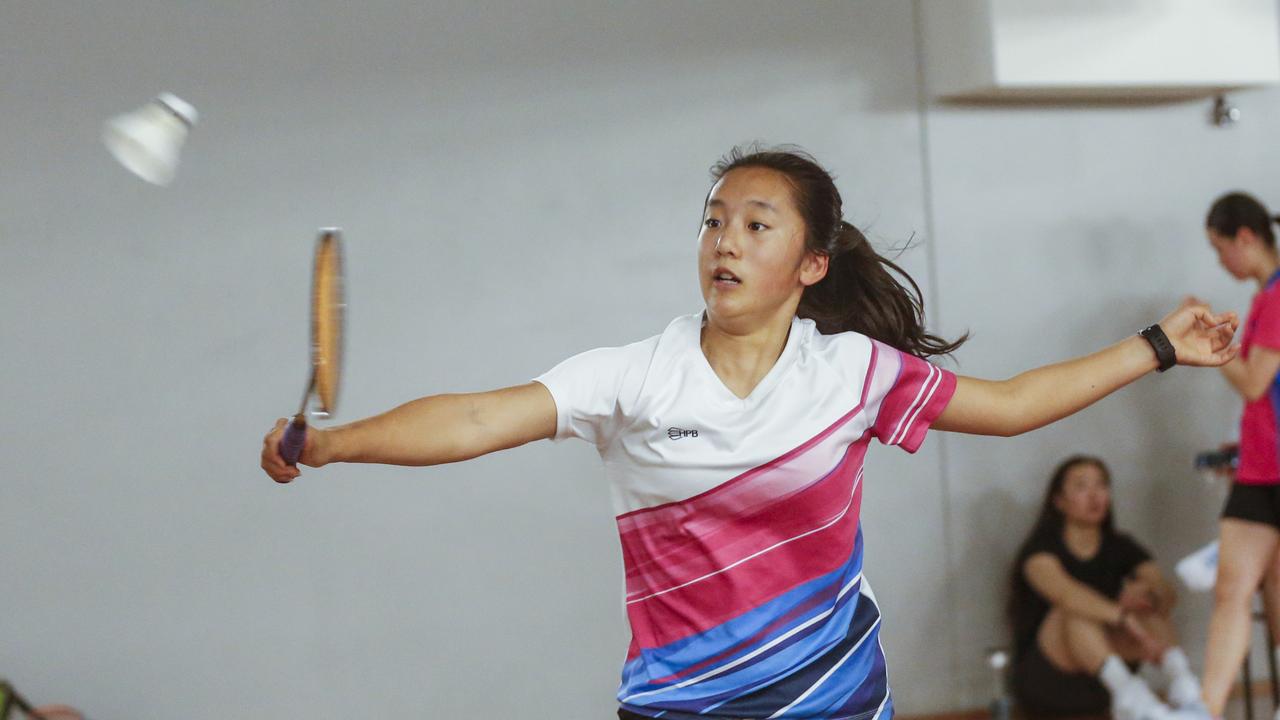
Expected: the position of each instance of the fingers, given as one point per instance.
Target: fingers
(1210, 357)
(1144, 638)
(1156, 648)
(1225, 319)
(1220, 338)
(1205, 316)
(1202, 337)
(1135, 629)
(1225, 355)
(272, 463)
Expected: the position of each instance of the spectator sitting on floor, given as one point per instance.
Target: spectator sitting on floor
(1088, 605)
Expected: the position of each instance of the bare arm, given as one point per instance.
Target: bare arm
(1050, 580)
(427, 431)
(1165, 594)
(1038, 397)
(1253, 375)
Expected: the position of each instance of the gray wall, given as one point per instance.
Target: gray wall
(517, 184)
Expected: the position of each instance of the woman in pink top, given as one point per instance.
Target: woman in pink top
(1239, 228)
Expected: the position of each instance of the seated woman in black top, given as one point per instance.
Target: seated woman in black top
(1088, 604)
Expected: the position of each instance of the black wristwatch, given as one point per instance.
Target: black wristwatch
(1160, 343)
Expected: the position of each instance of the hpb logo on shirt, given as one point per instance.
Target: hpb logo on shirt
(676, 433)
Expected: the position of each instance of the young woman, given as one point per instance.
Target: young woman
(1086, 601)
(1239, 229)
(734, 442)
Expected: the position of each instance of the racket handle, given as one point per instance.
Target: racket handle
(295, 436)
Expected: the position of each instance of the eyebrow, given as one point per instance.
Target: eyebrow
(759, 203)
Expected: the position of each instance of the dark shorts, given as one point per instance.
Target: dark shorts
(1043, 690)
(1254, 503)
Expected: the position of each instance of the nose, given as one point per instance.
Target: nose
(727, 243)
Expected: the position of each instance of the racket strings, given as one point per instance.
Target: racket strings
(326, 318)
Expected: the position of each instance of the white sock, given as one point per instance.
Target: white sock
(1131, 699)
(1184, 688)
(1115, 674)
(1174, 661)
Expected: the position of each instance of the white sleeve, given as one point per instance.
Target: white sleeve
(587, 387)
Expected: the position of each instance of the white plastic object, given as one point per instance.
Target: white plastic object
(1199, 570)
(148, 141)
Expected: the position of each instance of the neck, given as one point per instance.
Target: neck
(1081, 532)
(742, 357)
(1268, 263)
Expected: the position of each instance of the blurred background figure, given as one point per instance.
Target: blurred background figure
(1088, 605)
(1240, 230)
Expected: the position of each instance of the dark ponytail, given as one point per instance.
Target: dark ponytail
(1238, 210)
(860, 291)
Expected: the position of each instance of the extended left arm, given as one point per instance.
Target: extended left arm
(1041, 396)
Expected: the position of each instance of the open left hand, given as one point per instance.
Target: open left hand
(1200, 337)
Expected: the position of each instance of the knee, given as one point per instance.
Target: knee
(1078, 625)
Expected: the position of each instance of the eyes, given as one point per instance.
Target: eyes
(713, 223)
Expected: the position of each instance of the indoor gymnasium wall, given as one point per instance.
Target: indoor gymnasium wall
(517, 184)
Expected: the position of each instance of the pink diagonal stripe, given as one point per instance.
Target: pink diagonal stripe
(637, 519)
(662, 557)
(780, 563)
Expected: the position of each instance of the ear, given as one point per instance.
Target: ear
(1247, 235)
(813, 268)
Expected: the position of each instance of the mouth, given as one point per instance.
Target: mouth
(723, 277)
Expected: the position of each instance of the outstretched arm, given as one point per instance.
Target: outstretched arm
(1041, 396)
(427, 431)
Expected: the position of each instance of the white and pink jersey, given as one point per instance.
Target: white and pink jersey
(738, 517)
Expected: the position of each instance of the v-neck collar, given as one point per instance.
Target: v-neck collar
(766, 383)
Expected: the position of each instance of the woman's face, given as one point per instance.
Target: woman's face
(752, 260)
(1232, 255)
(1085, 496)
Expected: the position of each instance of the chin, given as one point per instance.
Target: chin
(722, 307)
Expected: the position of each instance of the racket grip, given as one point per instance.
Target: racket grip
(295, 436)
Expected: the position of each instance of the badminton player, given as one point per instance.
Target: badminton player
(734, 442)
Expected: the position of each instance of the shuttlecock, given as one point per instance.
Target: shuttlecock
(149, 140)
